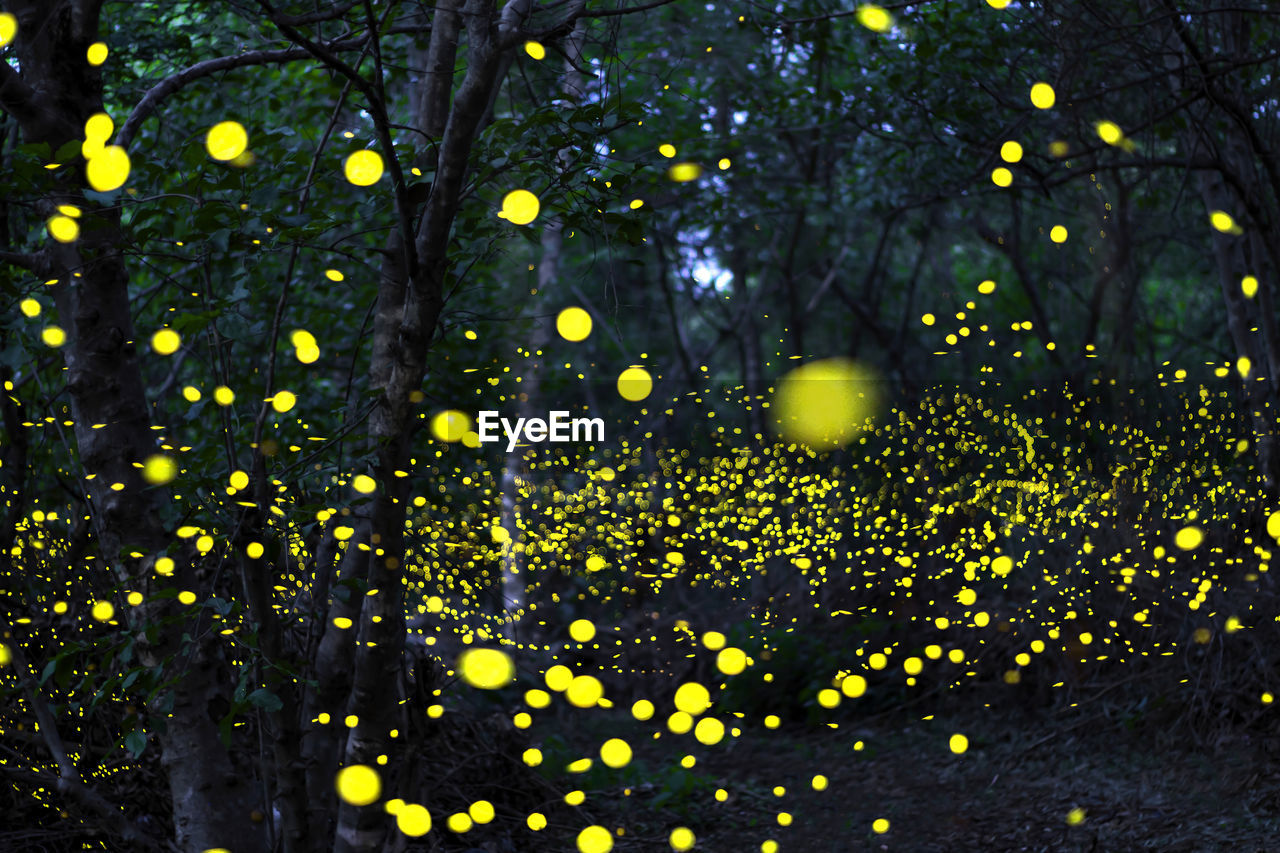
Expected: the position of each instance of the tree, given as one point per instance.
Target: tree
(425, 129)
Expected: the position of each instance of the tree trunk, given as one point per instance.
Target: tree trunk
(52, 100)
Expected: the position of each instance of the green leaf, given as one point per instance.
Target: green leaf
(135, 741)
(266, 700)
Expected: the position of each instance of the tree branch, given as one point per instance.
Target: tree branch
(158, 93)
(18, 99)
(610, 13)
(30, 262)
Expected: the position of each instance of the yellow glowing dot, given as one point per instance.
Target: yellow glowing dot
(558, 678)
(6, 656)
(1001, 176)
(642, 710)
(880, 826)
(487, 669)
(595, 839)
(64, 229)
(573, 324)
(853, 686)
(537, 698)
(825, 403)
(998, 4)
(532, 757)
(1075, 817)
(828, 698)
(53, 336)
(874, 18)
(535, 50)
(166, 342)
(254, 550)
(481, 811)
(667, 150)
(1221, 220)
(724, 163)
(928, 319)
(966, 597)
(363, 168)
(108, 169)
(584, 691)
(615, 752)
(1002, 565)
(537, 821)
(769, 846)
(450, 425)
(283, 401)
(29, 307)
(681, 838)
(239, 480)
(164, 566)
(98, 128)
(1273, 525)
(223, 396)
(364, 484)
(1011, 151)
(8, 28)
(679, 722)
(1249, 286)
(692, 698)
(1042, 96)
(636, 203)
(682, 173)
(582, 630)
(731, 661)
(1109, 132)
(1058, 234)
(226, 140)
(709, 731)
(959, 743)
(634, 384)
(187, 597)
(460, 822)
(413, 820)
(97, 53)
(712, 640)
(1244, 366)
(1267, 698)
(358, 785)
(520, 207)
(1189, 538)
(103, 611)
(333, 275)
(158, 470)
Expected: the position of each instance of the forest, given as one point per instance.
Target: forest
(639, 425)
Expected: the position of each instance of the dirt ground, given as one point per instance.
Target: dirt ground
(1016, 788)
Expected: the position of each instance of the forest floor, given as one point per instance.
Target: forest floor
(1023, 774)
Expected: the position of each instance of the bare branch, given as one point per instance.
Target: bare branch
(24, 260)
(19, 100)
(611, 13)
(174, 82)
